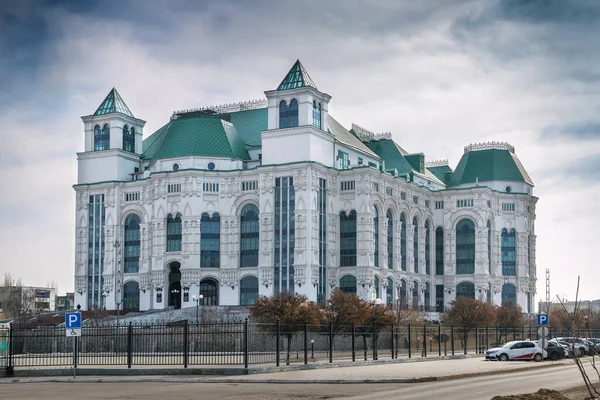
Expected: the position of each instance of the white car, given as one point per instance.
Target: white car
(516, 350)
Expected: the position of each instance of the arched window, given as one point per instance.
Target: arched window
(416, 245)
(248, 290)
(209, 292)
(249, 237)
(465, 247)
(101, 138)
(288, 115)
(465, 289)
(316, 115)
(128, 139)
(377, 287)
(489, 246)
(389, 292)
(348, 284)
(403, 241)
(415, 295)
(403, 294)
(509, 294)
(427, 248)
(173, 232)
(508, 253)
(348, 239)
(427, 296)
(439, 251)
(131, 296)
(131, 249)
(390, 240)
(376, 236)
(210, 241)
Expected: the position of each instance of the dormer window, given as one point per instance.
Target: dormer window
(101, 138)
(288, 115)
(316, 115)
(129, 139)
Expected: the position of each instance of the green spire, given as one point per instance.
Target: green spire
(297, 77)
(113, 103)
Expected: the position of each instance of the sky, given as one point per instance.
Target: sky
(437, 74)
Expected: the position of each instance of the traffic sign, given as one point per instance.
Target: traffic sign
(543, 331)
(542, 319)
(3, 346)
(73, 320)
(73, 332)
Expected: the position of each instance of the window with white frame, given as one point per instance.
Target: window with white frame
(249, 185)
(135, 196)
(508, 206)
(464, 203)
(174, 188)
(210, 187)
(439, 205)
(347, 185)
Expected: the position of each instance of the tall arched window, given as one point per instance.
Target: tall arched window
(348, 239)
(131, 248)
(210, 241)
(465, 247)
(509, 294)
(465, 289)
(316, 115)
(101, 138)
(403, 241)
(131, 296)
(489, 246)
(174, 232)
(209, 291)
(403, 294)
(439, 251)
(377, 287)
(427, 248)
(390, 239)
(348, 284)
(415, 295)
(416, 245)
(508, 253)
(249, 237)
(376, 236)
(248, 290)
(128, 139)
(288, 115)
(389, 292)
(427, 299)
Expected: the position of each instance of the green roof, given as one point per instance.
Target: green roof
(249, 124)
(440, 171)
(489, 165)
(199, 136)
(344, 136)
(392, 155)
(113, 103)
(296, 77)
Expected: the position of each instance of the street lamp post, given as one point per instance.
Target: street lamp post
(197, 300)
(312, 349)
(118, 283)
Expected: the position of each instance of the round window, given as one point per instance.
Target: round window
(211, 166)
(508, 189)
(175, 167)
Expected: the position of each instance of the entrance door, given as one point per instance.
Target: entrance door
(175, 285)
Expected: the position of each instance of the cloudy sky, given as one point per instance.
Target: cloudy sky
(438, 74)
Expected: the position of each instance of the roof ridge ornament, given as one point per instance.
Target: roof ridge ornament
(493, 145)
(223, 108)
(437, 163)
(367, 135)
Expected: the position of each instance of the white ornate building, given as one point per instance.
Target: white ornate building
(251, 198)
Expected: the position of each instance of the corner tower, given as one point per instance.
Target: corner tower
(113, 142)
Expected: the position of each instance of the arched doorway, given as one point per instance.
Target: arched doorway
(175, 285)
(209, 292)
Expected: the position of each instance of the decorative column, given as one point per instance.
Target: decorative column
(410, 258)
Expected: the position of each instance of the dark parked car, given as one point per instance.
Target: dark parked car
(555, 351)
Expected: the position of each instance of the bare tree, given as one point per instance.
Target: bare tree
(11, 297)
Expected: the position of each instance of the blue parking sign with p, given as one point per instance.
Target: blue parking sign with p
(73, 320)
(542, 319)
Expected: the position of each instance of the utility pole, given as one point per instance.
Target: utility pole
(547, 291)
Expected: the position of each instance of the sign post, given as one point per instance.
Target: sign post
(542, 320)
(73, 329)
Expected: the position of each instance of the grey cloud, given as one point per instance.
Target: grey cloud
(584, 131)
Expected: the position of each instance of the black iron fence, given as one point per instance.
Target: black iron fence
(243, 343)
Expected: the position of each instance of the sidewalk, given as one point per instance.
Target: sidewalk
(404, 372)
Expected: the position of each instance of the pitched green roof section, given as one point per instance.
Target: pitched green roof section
(392, 155)
(296, 77)
(195, 136)
(440, 171)
(489, 162)
(344, 136)
(113, 103)
(249, 124)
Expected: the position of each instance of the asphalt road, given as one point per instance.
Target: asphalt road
(481, 388)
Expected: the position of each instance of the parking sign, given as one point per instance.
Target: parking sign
(542, 319)
(73, 324)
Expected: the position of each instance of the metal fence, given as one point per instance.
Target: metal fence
(244, 343)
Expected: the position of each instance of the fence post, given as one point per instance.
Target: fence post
(330, 343)
(305, 343)
(10, 370)
(277, 344)
(530, 335)
(130, 345)
(425, 340)
(476, 340)
(374, 341)
(409, 344)
(246, 342)
(487, 338)
(439, 340)
(393, 341)
(185, 344)
(353, 343)
(452, 337)
(465, 339)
